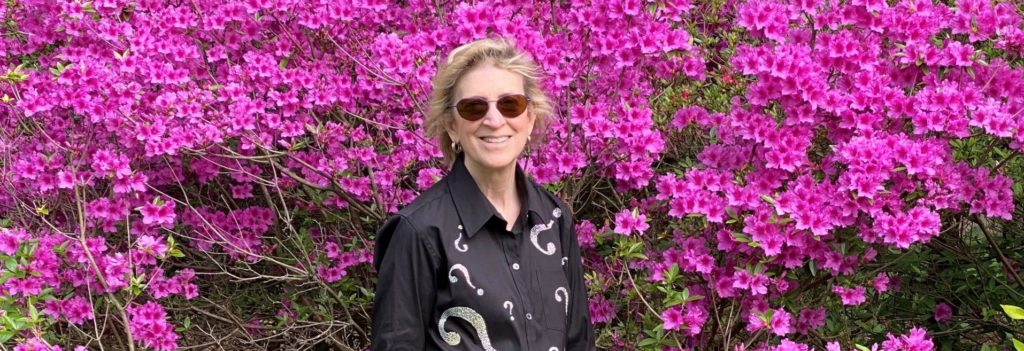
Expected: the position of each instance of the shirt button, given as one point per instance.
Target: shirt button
(515, 266)
(529, 316)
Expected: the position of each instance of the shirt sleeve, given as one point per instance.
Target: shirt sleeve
(406, 271)
(579, 333)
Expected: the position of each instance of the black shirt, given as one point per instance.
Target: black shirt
(451, 277)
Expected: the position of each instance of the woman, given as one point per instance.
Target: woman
(485, 259)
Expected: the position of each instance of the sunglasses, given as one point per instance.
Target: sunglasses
(473, 109)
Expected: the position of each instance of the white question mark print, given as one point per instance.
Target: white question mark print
(454, 279)
(508, 305)
(464, 247)
(559, 298)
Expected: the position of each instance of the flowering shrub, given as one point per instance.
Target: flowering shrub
(747, 175)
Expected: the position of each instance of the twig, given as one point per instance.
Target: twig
(1005, 161)
(1010, 270)
(96, 268)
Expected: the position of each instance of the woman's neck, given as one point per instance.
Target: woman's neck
(498, 186)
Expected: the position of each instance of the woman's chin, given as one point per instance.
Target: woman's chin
(493, 160)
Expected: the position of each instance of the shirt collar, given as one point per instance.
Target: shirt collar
(474, 210)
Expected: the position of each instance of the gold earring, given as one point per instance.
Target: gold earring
(456, 147)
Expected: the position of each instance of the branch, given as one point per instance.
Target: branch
(1007, 265)
(1005, 161)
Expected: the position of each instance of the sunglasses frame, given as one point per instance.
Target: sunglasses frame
(488, 102)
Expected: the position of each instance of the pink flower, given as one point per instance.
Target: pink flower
(672, 319)
(626, 222)
(943, 312)
(881, 283)
(810, 318)
(427, 177)
(850, 297)
(241, 191)
(601, 310)
(788, 345)
(149, 326)
(158, 214)
(77, 310)
(917, 340)
(780, 322)
(10, 240)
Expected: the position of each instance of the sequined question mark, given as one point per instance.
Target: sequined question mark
(508, 305)
(459, 267)
(559, 298)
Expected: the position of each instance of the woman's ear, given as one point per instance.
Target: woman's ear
(451, 132)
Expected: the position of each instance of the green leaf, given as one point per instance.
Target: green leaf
(674, 299)
(176, 253)
(1013, 311)
(671, 274)
(740, 237)
(1017, 345)
(33, 313)
(647, 342)
(861, 347)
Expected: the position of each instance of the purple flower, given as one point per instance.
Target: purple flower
(601, 310)
(672, 319)
(10, 239)
(626, 222)
(850, 296)
(162, 214)
(149, 326)
(781, 322)
(943, 312)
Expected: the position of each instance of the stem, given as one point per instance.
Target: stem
(96, 268)
(1010, 270)
(1005, 161)
(638, 293)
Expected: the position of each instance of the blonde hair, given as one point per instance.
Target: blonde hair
(502, 54)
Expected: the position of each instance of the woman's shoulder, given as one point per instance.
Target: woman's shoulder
(543, 194)
(427, 207)
(413, 223)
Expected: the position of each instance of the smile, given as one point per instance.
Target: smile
(495, 140)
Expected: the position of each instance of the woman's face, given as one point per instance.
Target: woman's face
(494, 142)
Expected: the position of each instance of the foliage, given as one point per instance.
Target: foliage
(746, 175)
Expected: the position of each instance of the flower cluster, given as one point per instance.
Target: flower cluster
(741, 147)
(148, 323)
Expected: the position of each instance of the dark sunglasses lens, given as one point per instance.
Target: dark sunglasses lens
(512, 106)
(472, 109)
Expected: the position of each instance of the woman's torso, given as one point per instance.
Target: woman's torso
(495, 289)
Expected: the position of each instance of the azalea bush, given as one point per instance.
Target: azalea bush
(745, 175)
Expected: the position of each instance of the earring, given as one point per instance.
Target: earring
(456, 147)
(526, 150)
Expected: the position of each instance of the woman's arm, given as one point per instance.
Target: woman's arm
(402, 306)
(580, 333)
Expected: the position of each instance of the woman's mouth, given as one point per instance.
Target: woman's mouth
(495, 140)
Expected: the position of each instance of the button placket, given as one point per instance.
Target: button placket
(510, 246)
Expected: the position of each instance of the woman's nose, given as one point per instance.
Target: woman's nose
(493, 118)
